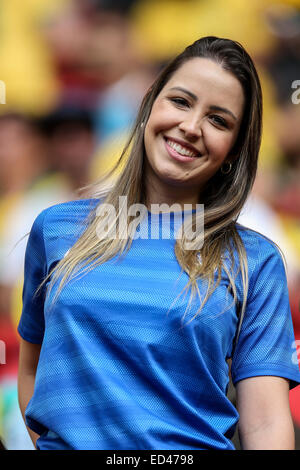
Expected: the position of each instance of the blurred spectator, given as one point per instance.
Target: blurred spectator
(22, 156)
(70, 138)
(26, 188)
(284, 66)
(90, 44)
(26, 64)
(99, 68)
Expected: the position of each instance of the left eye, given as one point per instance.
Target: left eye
(219, 120)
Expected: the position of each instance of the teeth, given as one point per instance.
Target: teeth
(181, 150)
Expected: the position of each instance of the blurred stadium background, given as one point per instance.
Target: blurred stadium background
(73, 73)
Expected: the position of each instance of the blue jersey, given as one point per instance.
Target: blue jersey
(118, 368)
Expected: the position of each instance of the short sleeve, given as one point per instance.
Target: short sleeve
(31, 326)
(266, 344)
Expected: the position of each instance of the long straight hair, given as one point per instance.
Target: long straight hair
(224, 195)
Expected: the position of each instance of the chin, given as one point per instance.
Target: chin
(172, 180)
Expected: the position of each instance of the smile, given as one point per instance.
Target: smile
(180, 151)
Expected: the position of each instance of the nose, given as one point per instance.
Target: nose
(191, 127)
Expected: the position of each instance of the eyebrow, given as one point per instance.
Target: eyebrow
(212, 107)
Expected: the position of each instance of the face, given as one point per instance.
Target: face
(192, 127)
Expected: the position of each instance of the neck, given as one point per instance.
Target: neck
(170, 195)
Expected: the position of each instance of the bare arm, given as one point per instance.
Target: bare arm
(28, 361)
(265, 417)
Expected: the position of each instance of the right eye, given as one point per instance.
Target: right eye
(182, 102)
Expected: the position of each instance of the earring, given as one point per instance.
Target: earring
(227, 170)
(142, 125)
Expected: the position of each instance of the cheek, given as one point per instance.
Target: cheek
(161, 118)
(156, 124)
(150, 143)
(218, 143)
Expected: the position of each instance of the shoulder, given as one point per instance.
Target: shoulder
(70, 209)
(261, 251)
(256, 243)
(62, 222)
(64, 215)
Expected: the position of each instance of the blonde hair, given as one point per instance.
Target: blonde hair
(223, 196)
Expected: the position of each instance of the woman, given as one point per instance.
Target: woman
(113, 355)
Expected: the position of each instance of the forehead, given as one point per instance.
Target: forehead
(210, 82)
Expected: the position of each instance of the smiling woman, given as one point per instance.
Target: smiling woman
(112, 355)
(191, 130)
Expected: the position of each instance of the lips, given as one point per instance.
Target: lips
(182, 148)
